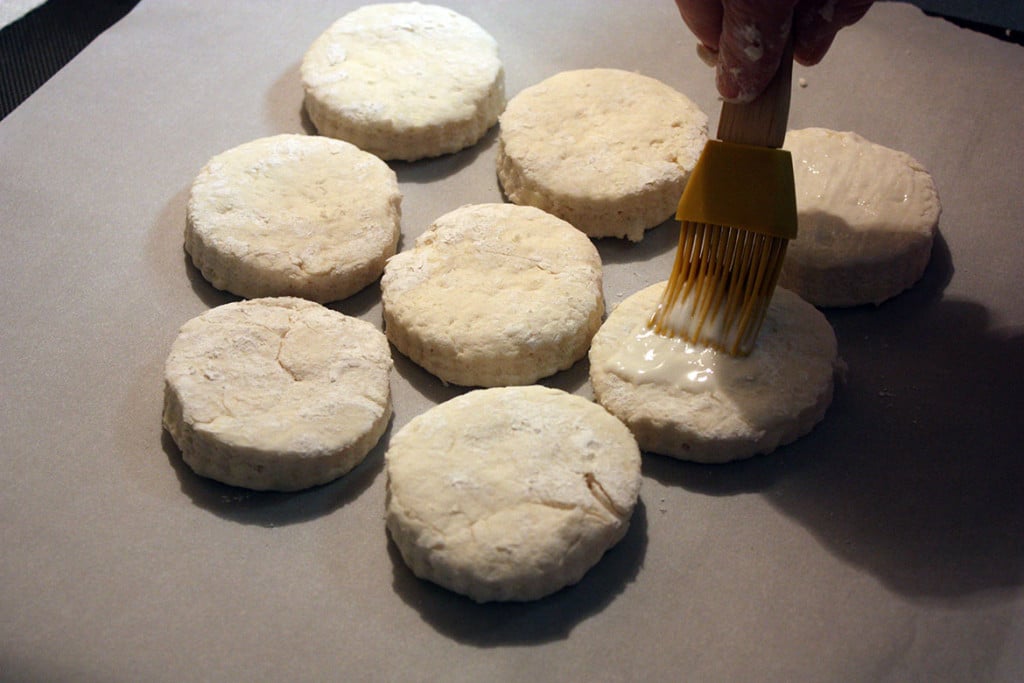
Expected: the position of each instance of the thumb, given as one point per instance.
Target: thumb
(816, 23)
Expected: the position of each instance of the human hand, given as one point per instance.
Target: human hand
(745, 39)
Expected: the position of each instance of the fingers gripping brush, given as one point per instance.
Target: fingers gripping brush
(738, 213)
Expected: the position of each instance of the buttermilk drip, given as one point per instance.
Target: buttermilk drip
(649, 357)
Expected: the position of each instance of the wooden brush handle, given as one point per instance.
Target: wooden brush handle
(761, 122)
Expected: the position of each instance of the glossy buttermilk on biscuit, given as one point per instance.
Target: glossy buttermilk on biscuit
(695, 403)
(867, 218)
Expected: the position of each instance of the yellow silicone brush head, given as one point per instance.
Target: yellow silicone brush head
(738, 213)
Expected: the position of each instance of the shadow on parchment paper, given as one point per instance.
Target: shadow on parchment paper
(657, 241)
(284, 103)
(271, 508)
(523, 623)
(570, 380)
(425, 171)
(422, 381)
(356, 305)
(207, 293)
(916, 472)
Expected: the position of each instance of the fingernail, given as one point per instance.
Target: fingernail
(708, 55)
(727, 86)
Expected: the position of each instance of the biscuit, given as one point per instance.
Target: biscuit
(867, 218)
(293, 215)
(607, 150)
(696, 403)
(276, 394)
(404, 81)
(510, 493)
(493, 295)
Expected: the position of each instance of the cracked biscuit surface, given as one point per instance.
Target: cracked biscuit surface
(293, 215)
(510, 493)
(276, 394)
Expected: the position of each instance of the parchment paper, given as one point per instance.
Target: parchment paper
(886, 545)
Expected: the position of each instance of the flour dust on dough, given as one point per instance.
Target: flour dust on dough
(276, 393)
(494, 295)
(404, 81)
(607, 150)
(510, 493)
(293, 215)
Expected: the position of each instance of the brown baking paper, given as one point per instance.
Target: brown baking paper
(888, 544)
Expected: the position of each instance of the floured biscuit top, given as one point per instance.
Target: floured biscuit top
(494, 294)
(293, 215)
(404, 80)
(277, 393)
(607, 150)
(510, 493)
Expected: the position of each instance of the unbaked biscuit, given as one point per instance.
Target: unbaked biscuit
(494, 294)
(279, 394)
(607, 150)
(510, 493)
(293, 215)
(867, 219)
(404, 80)
(699, 404)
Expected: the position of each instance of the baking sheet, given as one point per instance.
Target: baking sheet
(886, 545)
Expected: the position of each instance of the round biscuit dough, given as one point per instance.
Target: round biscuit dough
(510, 493)
(276, 394)
(609, 151)
(494, 295)
(293, 215)
(733, 407)
(404, 80)
(867, 218)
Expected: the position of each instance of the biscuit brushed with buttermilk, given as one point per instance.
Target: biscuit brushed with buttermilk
(696, 403)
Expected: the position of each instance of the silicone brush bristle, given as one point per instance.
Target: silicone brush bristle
(720, 288)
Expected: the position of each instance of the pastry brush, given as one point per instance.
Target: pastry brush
(738, 213)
